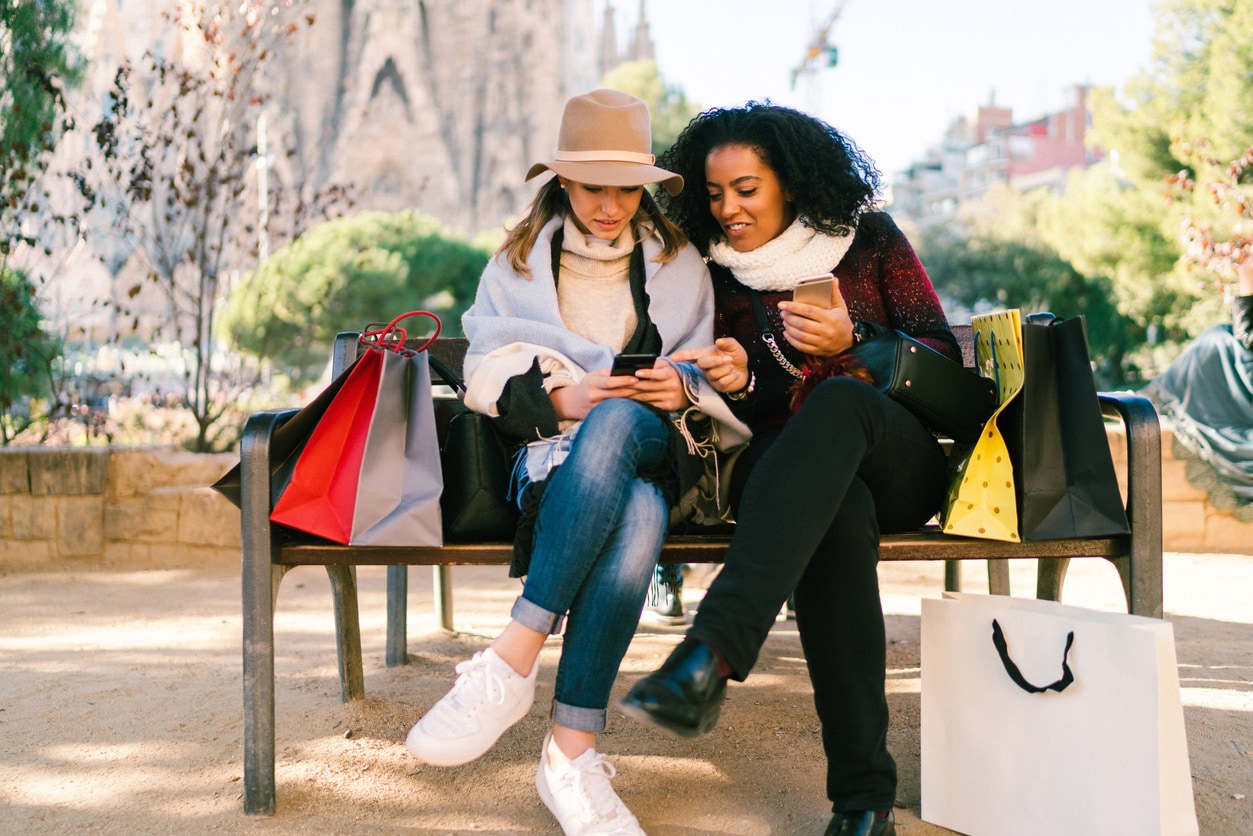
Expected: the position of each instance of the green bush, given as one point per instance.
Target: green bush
(29, 354)
(344, 274)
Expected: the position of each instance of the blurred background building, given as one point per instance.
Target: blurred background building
(986, 146)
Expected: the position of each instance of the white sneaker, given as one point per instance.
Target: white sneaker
(581, 798)
(487, 699)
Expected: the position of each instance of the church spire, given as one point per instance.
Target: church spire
(608, 57)
(642, 42)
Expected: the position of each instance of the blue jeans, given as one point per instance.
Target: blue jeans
(597, 536)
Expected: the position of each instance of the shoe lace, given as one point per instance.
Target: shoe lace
(597, 800)
(478, 681)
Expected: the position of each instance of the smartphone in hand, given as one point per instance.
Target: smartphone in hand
(814, 290)
(629, 364)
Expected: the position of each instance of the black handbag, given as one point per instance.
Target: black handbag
(477, 465)
(943, 394)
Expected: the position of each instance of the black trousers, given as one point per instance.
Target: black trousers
(811, 499)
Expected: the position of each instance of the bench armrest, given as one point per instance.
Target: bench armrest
(255, 454)
(256, 451)
(1144, 446)
(1144, 495)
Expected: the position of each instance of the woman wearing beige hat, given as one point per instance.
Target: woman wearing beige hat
(594, 270)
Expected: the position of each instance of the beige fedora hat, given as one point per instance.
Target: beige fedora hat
(606, 140)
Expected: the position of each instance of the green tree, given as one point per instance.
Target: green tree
(996, 257)
(343, 274)
(29, 351)
(175, 148)
(37, 65)
(1127, 220)
(668, 105)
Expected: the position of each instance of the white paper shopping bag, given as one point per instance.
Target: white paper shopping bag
(1058, 719)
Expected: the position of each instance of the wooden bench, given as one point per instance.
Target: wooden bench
(268, 554)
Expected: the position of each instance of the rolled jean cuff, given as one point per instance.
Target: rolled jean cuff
(580, 719)
(537, 618)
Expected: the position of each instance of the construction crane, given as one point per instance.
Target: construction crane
(820, 52)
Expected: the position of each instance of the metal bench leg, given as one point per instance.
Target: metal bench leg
(397, 616)
(443, 596)
(1142, 581)
(347, 630)
(952, 576)
(259, 585)
(998, 576)
(259, 590)
(1049, 577)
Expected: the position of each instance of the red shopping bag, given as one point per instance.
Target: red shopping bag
(370, 472)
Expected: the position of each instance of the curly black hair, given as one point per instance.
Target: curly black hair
(830, 179)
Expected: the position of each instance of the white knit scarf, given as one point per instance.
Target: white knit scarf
(793, 254)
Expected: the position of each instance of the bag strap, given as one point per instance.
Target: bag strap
(646, 339)
(1002, 650)
(767, 336)
(392, 337)
(446, 373)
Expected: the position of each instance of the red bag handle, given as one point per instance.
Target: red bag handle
(392, 337)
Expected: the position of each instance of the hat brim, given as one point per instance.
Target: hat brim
(610, 174)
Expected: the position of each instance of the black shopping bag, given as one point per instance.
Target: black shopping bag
(1063, 472)
(286, 446)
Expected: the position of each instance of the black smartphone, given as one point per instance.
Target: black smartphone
(629, 364)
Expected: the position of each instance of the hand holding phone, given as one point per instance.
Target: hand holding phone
(629, 364)
(814, 290)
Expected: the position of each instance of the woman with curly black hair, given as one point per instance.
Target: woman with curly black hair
(833, 462)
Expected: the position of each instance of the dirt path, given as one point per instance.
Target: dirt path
(120, 695)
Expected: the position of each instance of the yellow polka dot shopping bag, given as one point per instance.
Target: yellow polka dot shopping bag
(981, 501)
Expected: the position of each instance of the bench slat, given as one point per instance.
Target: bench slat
(927, 544)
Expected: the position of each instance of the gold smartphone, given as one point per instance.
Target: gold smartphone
(814, 290)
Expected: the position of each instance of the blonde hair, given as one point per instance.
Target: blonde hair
(552, 202)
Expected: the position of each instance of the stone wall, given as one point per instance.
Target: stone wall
(141, 508)
(1190, 522)
(126, 507)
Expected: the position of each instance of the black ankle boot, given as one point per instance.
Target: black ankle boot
(861, 823)
(684, 695)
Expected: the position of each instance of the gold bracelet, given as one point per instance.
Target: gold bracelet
(746, 391)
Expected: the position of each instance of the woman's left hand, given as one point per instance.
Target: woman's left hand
(661, 387)
(821, 332)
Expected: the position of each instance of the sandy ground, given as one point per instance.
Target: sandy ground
(120, 710)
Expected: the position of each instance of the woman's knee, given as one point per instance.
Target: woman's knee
(621, 418)
(642, 527)
(615, 411)
(646, 508)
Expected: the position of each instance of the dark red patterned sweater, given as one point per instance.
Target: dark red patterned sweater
(882, 281)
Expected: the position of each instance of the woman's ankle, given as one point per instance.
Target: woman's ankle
(566, 744)
(519, 647)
